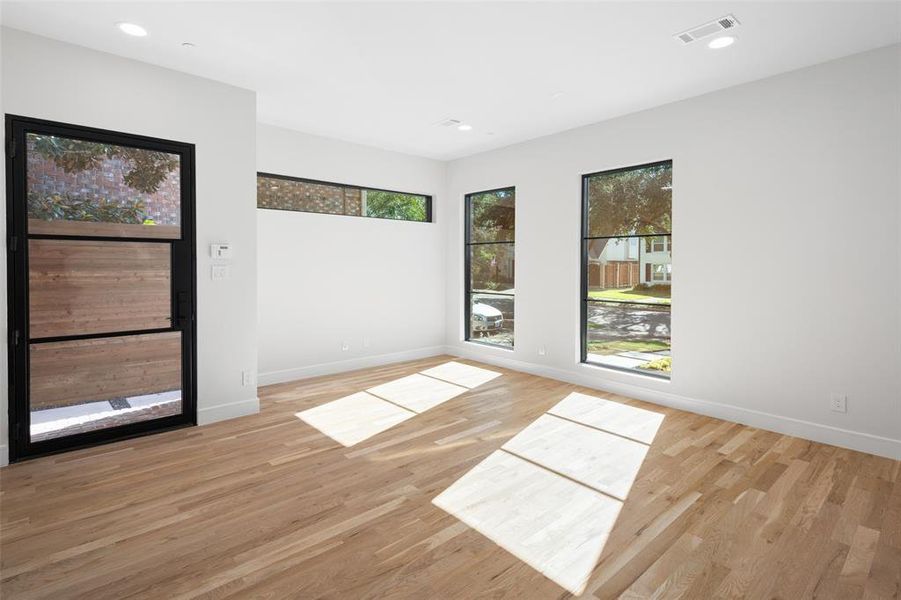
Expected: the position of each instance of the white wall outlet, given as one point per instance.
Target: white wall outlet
(247, 377)
(345, 346)
(367, 342)
(838, 403)
(542, 351)
(219, 272)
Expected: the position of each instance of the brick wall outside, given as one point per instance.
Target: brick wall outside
(304, 196)
(106, 182)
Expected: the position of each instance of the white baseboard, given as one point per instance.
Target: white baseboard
(221, 412)
(4, 455)
(352, 364)
(826, 434)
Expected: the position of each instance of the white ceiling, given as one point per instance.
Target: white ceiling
(383, 74)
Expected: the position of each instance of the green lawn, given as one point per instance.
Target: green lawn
(615, 346)
(658, 294)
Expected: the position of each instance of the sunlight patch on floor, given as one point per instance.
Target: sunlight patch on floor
(551, 495)
(417, 392)
(354, 418)
(600, 460)
(556, 526)
(467, 376)
(358, 417)
(628, 421)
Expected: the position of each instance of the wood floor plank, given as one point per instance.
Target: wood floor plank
(267, 506)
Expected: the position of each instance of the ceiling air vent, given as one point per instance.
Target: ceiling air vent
(449, 123)
(707, 29)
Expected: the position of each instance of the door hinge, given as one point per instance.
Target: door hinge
(13, 243)
(14, 337)
(11, 148)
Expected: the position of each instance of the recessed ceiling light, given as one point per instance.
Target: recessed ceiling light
(464, 127)
(721, 42)
(131, 29)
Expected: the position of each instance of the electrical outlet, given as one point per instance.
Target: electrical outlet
(345, 346)
(247, 377)
(542, 350)
(838, 403)
(367, 342)
(220, 272)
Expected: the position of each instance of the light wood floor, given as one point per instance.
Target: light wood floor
(268, 507)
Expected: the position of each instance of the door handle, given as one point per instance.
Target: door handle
(182, 308)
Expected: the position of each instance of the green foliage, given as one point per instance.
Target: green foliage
(395, 205)
(491, 219)
(488, 266)
(148, 168)
(492, 216)
(72, 208)
(664, 365)
(635, 202)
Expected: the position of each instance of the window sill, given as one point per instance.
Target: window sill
(638, 374)
(487, 345)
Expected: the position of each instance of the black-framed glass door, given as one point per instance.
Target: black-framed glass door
(101, 285)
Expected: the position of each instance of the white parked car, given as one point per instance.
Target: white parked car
(485, 318)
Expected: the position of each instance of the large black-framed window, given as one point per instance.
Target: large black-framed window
(490, 260)
(284, 192)
(101, 285)
(626, 274)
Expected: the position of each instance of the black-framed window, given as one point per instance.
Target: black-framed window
(490, 261)
(281, 192)
(627, 268)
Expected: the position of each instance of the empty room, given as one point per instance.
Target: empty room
(439, 300)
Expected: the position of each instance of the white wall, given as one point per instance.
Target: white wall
(781, 179)
(52, 80)
(376, 284)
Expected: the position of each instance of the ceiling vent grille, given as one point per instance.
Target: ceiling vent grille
(707, 29)
(449, 123)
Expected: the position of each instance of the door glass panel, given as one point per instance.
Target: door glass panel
(88, 287)
(78, 187)
(78, 386)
